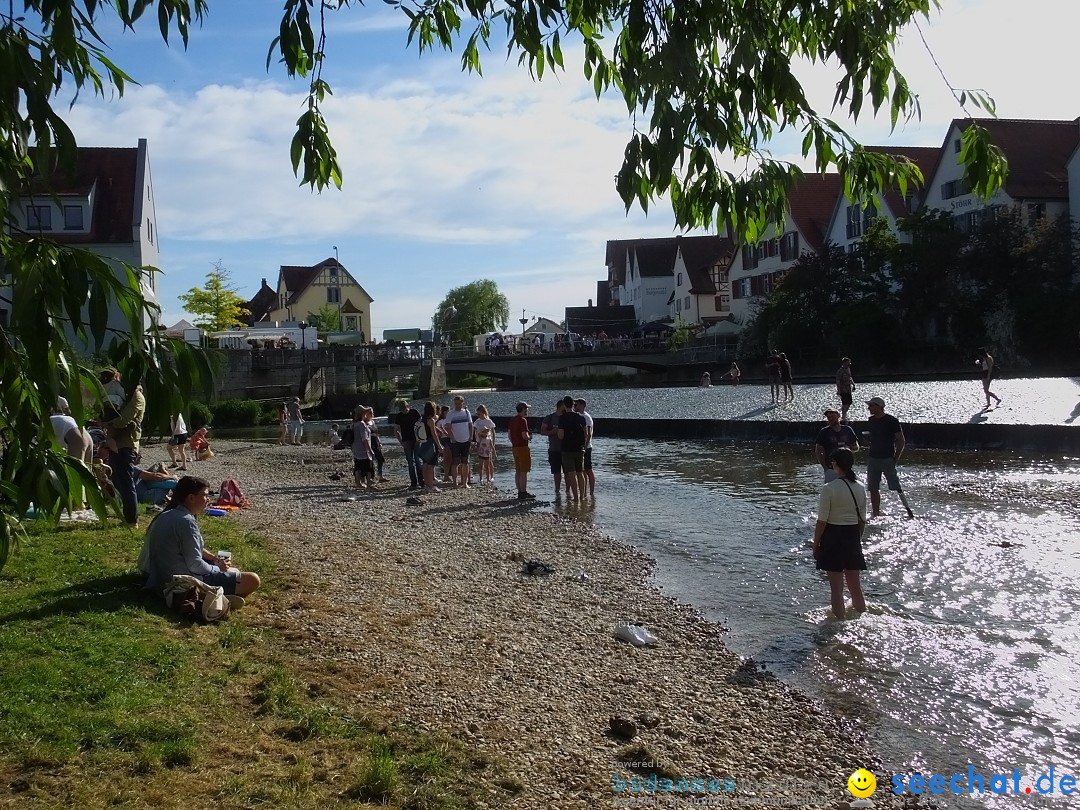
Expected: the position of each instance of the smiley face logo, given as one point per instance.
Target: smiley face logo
(862, 784)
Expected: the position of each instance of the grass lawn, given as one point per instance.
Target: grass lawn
(109, 700)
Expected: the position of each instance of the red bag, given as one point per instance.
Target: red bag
(230, 494)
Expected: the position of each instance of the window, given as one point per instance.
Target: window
(789, 246)
(39, 217)
(1036, 211)
(678, 305)
(333, 272)
(722, 303)
(954, 188)
(719, 274)
(678, 281)
(749, 257)
(350, 323)
(686, 304)
(859, 219)
(957, 145)
(73, 218)
(740, 288)
(333, 295)
(910, 204)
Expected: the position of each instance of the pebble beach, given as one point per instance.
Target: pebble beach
(427, 612)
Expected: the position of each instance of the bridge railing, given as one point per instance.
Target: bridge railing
(610, 346)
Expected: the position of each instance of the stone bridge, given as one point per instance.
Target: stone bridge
(252, 373)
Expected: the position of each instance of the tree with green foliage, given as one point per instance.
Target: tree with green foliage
(470, 310)
(327, 319)
(216, 305)
(700, 79)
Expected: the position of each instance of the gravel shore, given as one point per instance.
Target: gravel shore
(434, 623)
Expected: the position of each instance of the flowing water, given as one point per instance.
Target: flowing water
(970, 653)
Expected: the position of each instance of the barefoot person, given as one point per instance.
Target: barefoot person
(986, 363)
(838, 533)
(844, 386)
(520, 436)
(174, 545)
(590, 476)
(829, 438)
(886, 446)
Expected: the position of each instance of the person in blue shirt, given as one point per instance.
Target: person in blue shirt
(174, 545)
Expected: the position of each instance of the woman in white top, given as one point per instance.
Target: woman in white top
(178, 442)
(838, 533)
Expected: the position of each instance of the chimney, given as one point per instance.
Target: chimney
(264, 282)
(590, 303)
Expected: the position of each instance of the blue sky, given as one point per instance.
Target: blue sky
(449, 177)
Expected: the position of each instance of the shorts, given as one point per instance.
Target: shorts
(845, 399)
(555, 461)
(178, 439)
(875, 467)
(588, 458)
(427, 453)
(296, 427)
(364, 466)
(226, 580)
(445, 441)
(841, 549)
(460, 451)
(522, 459)
(573, 461)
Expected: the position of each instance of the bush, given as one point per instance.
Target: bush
(198, 415)
(236, 413)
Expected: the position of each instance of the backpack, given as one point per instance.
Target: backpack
(195, 599)
(230, 494)
(421, 431)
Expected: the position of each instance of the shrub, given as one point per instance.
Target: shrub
(237, 413)
(199, 415)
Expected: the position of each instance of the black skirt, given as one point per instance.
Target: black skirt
(841, 549)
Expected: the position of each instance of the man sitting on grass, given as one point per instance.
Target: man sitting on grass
(174, 545)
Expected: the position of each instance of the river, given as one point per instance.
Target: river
(970, 652)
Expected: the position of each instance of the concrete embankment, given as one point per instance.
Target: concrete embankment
(934, 436)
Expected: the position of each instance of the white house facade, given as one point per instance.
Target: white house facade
(105, 204)
(1039, 154)
(757, 268)
(702, 288)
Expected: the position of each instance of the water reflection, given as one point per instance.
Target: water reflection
(969, 651)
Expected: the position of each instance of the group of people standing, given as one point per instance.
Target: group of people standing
(455, 434)
(843, 500)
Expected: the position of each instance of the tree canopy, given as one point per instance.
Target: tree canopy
(470, 310)
(216, 305)
(700, 79)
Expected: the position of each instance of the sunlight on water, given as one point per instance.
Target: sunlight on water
(971, 649)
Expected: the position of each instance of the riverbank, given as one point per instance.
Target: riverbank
(424, 616)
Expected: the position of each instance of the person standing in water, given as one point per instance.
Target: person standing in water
(886, 445)
(838, 533)
(986, 363)
(844, 386)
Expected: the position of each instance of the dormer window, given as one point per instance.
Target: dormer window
(73, 218)
(39, 217)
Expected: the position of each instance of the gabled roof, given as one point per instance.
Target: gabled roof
(111, 173)
(699, 254)
(350, 308)
(656, 258)
(297, 279)
(925, 157)
(811, 202)
(1038, 153)
(260, 306)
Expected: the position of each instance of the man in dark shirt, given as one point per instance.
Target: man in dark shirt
(830, 437)
(405, 430)
(549, 427)
(886, 445)
(572, 437)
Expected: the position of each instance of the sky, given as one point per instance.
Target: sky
(451, 177)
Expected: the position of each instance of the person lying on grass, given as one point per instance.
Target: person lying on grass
(174, 545)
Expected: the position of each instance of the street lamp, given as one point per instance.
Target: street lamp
(303, 339)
